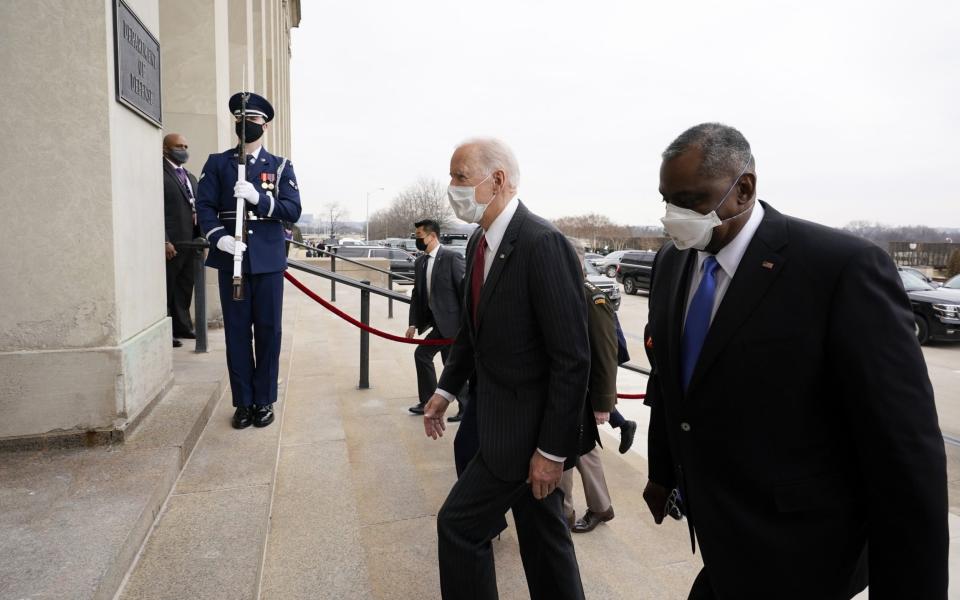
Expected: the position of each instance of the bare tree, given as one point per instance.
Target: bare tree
(334, 214)
(424, 199)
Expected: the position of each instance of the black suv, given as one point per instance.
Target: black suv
(634, 270)
(936, 311)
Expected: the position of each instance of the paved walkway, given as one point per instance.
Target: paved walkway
(338, 499)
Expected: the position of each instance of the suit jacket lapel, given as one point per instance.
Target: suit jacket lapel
(173, 173)
(758, 269)
(500, 259)
(255, 168)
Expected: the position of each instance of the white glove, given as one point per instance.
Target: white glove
(245, 190)
(230, 245)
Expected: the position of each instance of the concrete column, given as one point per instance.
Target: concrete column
(195, 49)
(84, 336)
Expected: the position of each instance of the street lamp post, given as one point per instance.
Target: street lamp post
(379, 189)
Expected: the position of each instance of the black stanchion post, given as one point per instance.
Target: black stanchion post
(364, 339)
(390, 301)
(333, 283)
(200, 297)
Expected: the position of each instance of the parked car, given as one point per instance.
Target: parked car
(593, 258)
(921, 275)
(401, 262)
(936, 311)
(608, 265)
(953, 283)
(634, 270)
(611, 289)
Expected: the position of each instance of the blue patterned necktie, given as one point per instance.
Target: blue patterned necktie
(698, 320)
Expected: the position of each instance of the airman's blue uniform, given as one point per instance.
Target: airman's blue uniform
(252, 325)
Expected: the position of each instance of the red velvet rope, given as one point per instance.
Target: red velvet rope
(367, 328)
(388, 336)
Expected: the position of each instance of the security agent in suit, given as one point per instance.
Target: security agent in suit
(790, 400)
(180, 225)
(252, 325)
(523, 338)
(434, 305)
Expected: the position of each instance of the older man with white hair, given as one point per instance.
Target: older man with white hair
(523, 345)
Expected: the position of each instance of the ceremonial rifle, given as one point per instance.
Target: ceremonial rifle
(240, 229)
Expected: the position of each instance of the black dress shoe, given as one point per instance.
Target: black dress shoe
(456, 418)
(177, 343)
(418, 409)
(627, 431)
(190, 335)
(590, 521)
(262, 415)
(242, 417)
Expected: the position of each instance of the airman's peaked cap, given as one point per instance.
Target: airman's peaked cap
(256, 105)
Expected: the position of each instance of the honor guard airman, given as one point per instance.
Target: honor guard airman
(271, 196)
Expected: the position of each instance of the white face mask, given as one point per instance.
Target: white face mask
(463, 200)
(690, 229)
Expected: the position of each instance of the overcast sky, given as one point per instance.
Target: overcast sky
(852, 108)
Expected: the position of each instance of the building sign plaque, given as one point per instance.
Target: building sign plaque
(137, 64)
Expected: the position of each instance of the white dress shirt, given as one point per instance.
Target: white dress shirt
(728, 258)
(431, 260)
(495, 233)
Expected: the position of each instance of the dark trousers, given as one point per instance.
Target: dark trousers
(472, 511)
(616, 419)
(466, 444)
(252, 330)
(180, 291)
(701, 589)
(427, 374)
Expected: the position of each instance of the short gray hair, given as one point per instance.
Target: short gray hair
(495, 155)
(725, 150)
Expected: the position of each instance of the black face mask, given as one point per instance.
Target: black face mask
(421, 245)
(254, 131)
(179, 156)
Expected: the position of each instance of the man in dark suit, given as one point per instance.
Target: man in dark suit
(790, 400)
(523, 340)
(434, 305)
(180, 225)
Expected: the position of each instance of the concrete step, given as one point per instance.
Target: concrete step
(72, 520)
(208, 541)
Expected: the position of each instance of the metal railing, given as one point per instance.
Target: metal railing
(391, 276)
(198, 245)
(366, 289)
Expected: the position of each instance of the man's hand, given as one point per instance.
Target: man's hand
(544, 475)
(411, 331)
(656, 497)
(601, 417)
(244, 189)
(230, 245)
(170, 250)
(433, 421)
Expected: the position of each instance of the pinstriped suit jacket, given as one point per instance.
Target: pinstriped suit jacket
(529, 354)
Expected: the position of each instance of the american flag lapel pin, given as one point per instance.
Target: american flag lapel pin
(767, 264)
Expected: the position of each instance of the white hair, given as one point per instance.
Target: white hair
(495, 155)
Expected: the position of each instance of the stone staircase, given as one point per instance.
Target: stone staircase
(73, 519)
